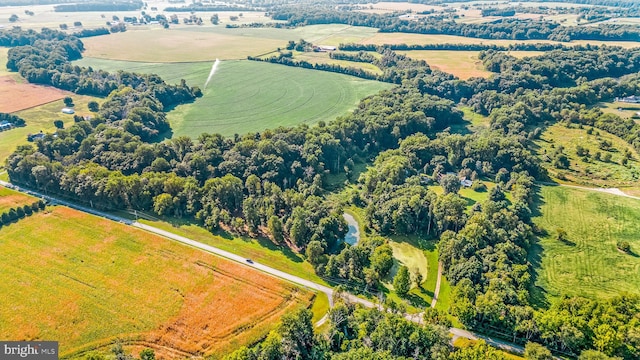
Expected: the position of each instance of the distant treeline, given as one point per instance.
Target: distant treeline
(189, 8)
(459, 47)
(91, 32)
(514, 29)
(286, 59)
(498, 12)
(130, 5)
(15, 120)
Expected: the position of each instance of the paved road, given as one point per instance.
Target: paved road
(266, 269)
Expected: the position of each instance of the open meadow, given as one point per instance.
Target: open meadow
(11, 199)
(87, 282)
(624, 110)
(588, 262)
(588, 170)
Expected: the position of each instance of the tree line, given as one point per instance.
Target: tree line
(118, 5)
(13, 119)
(515, 29)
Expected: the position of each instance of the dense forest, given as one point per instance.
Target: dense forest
(273, 184)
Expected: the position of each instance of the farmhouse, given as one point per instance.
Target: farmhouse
(34, 137)
(5, 125)
(324, 48)
(629, 99)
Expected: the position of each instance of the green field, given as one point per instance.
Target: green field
(86, 281)
(588, 264)
(248, 96)
(592, 172)
(38, 119)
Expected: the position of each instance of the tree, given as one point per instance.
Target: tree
(215, 20)
(276, 229)
(624, 246)
(163, 204)
(315, 253)
(402, 282)
(606, 157)
(296, 331)
(93, 106)
(417, 277)
(595, 355)
(450, 183)
(64, 26)
(13, 18)
(534, 351)
(147, 354)
(59, 124)
(561, 235)
(68, 101)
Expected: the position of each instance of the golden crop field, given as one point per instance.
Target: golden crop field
(160, 45)
(463, 64)
(87, 282)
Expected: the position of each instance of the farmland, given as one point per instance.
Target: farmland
(159, 45)
(246, 96)
(10, 199)
(40, 118)
(16, 96)
(463, 64)
(624, 110)
(94, 281)
(587, 169)
(588, 263)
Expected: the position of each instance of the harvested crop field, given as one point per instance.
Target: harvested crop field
(463, 64)
(160, 45)
(88, 282)
(15, 96)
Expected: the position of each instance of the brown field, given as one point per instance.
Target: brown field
(463, 64)
(88, 282)
(10, 199)
(16, 96)
(160, 45)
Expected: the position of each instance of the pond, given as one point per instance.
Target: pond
(353, 235)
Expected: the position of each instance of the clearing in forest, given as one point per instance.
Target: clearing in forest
(88, 282)
(250, 96)
(588, 262)
(596, 159)
(463, 64)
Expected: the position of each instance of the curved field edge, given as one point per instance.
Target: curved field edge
(102, 281)
(247, 96)
(588, 263)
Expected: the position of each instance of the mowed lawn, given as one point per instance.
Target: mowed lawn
(86, 282)
(463, 64)
(588, 264)
(248, 96)
(12, 199)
